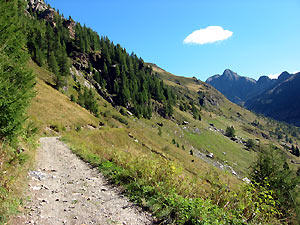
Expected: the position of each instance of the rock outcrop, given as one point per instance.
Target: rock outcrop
(47, 13)
(70, 25)
(37, 5)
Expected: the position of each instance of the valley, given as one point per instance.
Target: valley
(144, 141)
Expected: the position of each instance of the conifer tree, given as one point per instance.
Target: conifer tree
(53, 64)
(16, 82)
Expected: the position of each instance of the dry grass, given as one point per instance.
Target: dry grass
(51, 107)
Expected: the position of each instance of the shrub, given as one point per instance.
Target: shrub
(230, 132)
(72, 98)
(120, 119)
(123, 112)
(250, 144)
(159, 131)
(173, 141)
(271, 171)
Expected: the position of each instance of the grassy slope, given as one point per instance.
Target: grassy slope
(52, 108)
(112, 142)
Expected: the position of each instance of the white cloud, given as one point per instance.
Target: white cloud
(274, 76)
(207, 35)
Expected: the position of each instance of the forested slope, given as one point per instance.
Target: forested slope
(164, 138)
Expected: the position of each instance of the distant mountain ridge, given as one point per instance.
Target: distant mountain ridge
(239, 89)
(277, 98)
(282, 101)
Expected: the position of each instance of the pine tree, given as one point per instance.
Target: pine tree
(53, 64)
(16, 82)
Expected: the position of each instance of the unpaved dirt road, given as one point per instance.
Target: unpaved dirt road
(65, 190)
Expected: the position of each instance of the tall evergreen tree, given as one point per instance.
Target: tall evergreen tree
(53, 63)
(16, 82)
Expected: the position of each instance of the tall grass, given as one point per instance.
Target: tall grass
(15, 163)
(172, 194)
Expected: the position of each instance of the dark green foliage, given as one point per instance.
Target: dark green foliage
(271, 171)
(123, 112)
(47, 46)
(250, 144)
(126, 77)
(120, 119)
(16, 82)
(72, 98)
(195, 112)
(298, 172)
(181, 107)
(230, 132)
(159, 131)
(295, 151)
(88, 100)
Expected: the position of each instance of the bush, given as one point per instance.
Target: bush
(123, 112)
(230, 132)
(159, 131)
(72, 98)
(271, 171)
(120, 119)
(250, 144)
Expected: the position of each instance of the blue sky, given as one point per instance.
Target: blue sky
(265, 36)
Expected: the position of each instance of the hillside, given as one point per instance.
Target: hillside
(163, 138)
(106, 137)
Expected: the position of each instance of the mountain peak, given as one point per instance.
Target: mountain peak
(284, 75)
(230, 74)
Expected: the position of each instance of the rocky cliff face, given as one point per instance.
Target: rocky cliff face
(37, 5)
(46, 12)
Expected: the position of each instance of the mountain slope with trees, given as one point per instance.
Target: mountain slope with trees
(127, 79)
(177, 146)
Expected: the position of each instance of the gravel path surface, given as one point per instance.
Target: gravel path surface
(65, 190)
